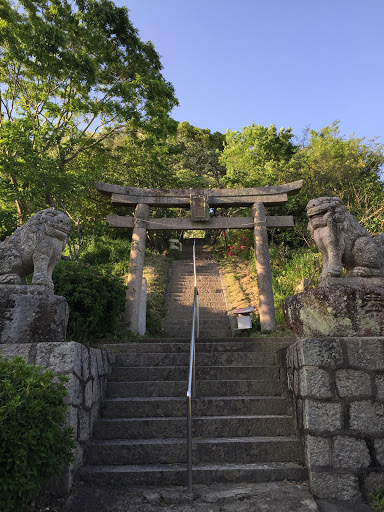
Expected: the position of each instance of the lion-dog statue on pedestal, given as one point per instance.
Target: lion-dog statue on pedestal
(34, 247)
(343, 242)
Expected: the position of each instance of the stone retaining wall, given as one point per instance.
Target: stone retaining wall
(87, 370)
(338, 389)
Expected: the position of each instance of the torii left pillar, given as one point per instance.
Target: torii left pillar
(136, 267)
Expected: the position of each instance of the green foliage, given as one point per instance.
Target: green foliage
(194, 157)
(257, 156)
(96, 299)
(376, 500)
(156, 273)
(102, 250)
(289, 267)
(34, 445)
(350, 168)
(71, 76)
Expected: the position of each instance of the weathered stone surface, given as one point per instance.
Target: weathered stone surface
(14, 350)
(367, 416)
(342, 241)
(85, 372)
(353, 383)
(379, 381)
(344, 436)
(60, 357)
(342, 506)
(267, 497)
(31, 316)
(336, 311)
(318, 451)
(335, 486)
(75, 391)
(379, 448)
(366, 353)
(315, 382)
(88, 394)
(373, 482)
(84, 425)
(319, 352)
(350, 453)
(34, 247)
(322, 416)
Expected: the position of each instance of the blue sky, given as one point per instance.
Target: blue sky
(294, 63)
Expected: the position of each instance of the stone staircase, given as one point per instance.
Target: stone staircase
(214, 321)
(242, 422)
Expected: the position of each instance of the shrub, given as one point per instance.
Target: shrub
(96, 299)
(33, 443)
(105, 249)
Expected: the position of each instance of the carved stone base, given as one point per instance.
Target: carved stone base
(31, 314)
(354, 282)
(336, 311)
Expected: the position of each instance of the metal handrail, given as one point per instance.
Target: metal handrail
(191, 392)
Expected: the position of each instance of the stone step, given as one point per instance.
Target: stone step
(206, 334)
(203, 388)
(202, 359)
(202, 426)
(180, 373)
(169, 474)
(246, 450)
(217, 406)
(203, 334)
(269, 342)
(180, 345)
(212, 321)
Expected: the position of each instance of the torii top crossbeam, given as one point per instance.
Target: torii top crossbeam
(181, 198)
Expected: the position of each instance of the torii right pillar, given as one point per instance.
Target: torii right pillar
(263, 269)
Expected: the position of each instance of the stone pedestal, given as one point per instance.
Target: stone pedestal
(338, 391)
(31, 314)
(353, 308)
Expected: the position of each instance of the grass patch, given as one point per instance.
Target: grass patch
(156, 273)
(376, 500)
(289, 267)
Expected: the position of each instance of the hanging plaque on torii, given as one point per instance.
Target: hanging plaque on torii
(200, 201)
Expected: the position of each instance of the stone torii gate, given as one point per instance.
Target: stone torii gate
(200, 201)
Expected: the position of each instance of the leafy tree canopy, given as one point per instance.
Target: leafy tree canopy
(194, 157)
(348, 167)
(71, 75)
(257, 156)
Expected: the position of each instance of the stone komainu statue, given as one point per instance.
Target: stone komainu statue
(342, 241)
(34, 247)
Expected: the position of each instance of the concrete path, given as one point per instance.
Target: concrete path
(267, 497)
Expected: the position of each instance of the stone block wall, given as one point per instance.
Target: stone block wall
(338, 391)
(87, 370)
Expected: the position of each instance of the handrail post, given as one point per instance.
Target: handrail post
(189, 442)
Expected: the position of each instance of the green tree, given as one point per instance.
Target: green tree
(348, 167)
(194, 157)
(71, 76)
(257, 156)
